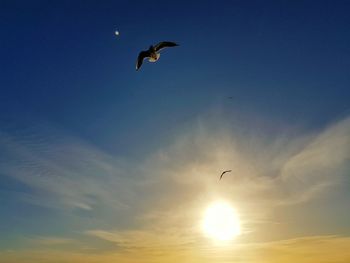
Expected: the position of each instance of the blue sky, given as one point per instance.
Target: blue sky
(73, 108)
(281, 59)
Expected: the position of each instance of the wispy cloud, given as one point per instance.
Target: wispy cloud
(63, 173)
(159, 200)
(259, 182)
(321, 163)
(51, 241)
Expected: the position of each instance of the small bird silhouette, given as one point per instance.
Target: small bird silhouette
(222, 174)
(152, 53)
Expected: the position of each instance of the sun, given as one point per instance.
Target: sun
(221, 222)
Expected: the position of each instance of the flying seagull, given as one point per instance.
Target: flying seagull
(227, 171)
(153, 52)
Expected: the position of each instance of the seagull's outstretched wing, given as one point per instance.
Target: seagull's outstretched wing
(164, 44)
(140, 58)
(222, 174)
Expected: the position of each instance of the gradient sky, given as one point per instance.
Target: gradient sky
(100, 163)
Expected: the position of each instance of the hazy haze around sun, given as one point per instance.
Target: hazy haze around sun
(221, 222)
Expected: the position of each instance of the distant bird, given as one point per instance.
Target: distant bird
(152, 53)
(227, 171)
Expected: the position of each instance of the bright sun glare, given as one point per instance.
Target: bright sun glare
(221, 222)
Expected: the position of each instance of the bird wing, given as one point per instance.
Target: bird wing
(221, 175)
(141, 57)
(164, 44)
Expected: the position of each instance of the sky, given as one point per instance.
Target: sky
(102, 163)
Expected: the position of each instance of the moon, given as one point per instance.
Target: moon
(221, 222)
(116, 33)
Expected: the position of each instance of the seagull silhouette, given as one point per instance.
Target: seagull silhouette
(153, 52)
(222, 174)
